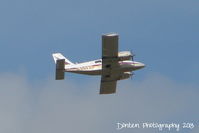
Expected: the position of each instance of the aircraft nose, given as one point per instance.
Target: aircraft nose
(142, 65)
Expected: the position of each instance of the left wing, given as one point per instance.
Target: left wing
(108, 87)
(110, 65)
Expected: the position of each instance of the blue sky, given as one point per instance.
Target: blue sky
(162, 34)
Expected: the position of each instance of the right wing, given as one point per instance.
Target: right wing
(110, 46)
(110, 64)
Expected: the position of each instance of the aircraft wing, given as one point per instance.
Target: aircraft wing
(108, 87)
(110, 64)
(109, 46)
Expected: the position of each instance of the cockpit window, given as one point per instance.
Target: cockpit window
(98, 61)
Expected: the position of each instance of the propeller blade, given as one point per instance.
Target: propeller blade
(132, 56)
(132, 75)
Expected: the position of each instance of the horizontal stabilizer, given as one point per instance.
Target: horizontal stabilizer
(60, 64)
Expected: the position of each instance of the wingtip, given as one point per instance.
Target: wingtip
(111, 34)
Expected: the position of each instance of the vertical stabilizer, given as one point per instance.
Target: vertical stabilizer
(60, 62)
(59, 56)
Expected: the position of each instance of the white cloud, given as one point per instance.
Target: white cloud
(64, 106)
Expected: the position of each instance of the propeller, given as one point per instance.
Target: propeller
(132, 55)
(132, 75)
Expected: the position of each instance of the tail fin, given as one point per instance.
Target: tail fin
(59, 56)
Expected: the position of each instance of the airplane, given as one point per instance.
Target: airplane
(113, 66)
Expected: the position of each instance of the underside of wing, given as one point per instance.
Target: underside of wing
(110, 45)
(110, 65)
(108, 87)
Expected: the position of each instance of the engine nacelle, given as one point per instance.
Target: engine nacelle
(124, 55)
(125, 75)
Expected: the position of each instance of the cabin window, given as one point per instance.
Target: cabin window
(98, 61)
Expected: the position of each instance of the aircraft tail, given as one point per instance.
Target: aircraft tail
(60, 62)
(59, 56)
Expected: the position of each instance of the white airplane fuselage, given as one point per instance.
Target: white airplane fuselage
(95, 67)
(115, 65)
